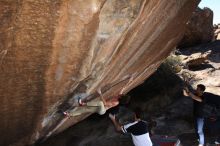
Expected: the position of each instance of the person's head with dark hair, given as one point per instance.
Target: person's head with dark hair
(200, 89)
(127, 117)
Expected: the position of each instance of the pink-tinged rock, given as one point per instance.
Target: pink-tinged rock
(50, 49)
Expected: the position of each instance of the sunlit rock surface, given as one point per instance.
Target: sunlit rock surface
(203, 66)
(50, 49)
(217, 32)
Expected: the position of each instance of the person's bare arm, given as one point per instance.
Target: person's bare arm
(112, 103)
(197, 98)
(108, 104)
(116, 124)
(101, 96)
(103, 99)
(186, 92)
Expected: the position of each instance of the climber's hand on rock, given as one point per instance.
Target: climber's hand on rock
(187, 89)
(111, 116)
(185, 92)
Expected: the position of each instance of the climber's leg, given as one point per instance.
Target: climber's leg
(81, 110)
(100, 106)
(89, 107)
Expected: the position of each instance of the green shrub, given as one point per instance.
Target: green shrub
(173, 63)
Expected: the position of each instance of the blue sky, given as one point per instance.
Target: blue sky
(215, 6)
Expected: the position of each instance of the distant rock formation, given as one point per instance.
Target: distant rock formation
(203, 65)
(50, 49)
(217, 32)
(199, 28)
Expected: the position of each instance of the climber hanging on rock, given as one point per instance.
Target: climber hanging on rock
(94, 106)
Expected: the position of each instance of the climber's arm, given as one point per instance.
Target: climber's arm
(186, 92)
(103, 100)
(116, 124)
(197, 98)
(110, 103)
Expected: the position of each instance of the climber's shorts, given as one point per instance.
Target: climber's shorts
(102, 109)
(99, 105)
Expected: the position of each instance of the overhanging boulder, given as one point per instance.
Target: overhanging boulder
(49, 49)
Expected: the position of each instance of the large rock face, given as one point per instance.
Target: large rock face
(160, 98)
(150, 96)
(199, 28)
(50, 49)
